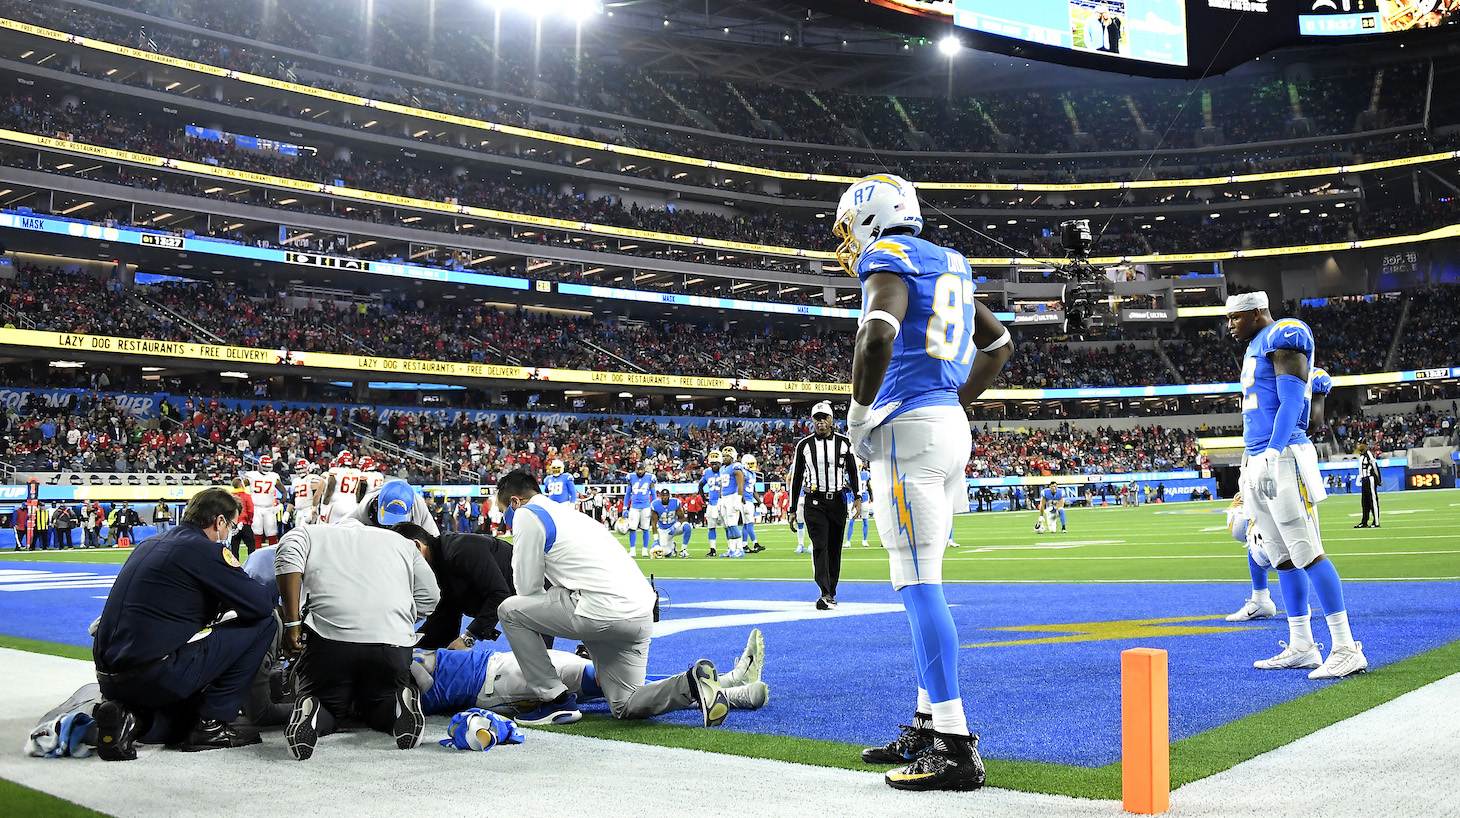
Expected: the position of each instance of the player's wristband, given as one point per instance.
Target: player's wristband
(998, 342)
(296, 623)
(883, 316)
(857, 412)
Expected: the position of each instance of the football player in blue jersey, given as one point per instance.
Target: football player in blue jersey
(748, 505)
(859, 506)
(1052, 506)
(710, 488)
(559, 486)
(636, 508)
(732, 504)
(667, 517)
(925, 349)
(1260, 604)
(1281, 484)
(454, 680)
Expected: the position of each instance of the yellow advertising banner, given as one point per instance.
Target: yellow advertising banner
(375, 366)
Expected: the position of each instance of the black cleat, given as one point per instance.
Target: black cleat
(915, 739)
(950, 763)
(212, 734)
(116, 732)
(712, 553)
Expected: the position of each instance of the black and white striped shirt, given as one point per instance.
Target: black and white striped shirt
(824, 464)
(1368, 466)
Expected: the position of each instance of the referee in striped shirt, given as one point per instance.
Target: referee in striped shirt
(823, 470)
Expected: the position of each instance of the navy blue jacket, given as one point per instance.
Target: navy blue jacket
(172, 586)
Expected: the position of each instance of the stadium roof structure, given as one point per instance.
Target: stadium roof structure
(785, 43)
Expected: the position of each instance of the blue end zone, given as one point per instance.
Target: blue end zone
(849, 677)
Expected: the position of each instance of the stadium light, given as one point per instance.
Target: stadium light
(949, 45)
(578, 10)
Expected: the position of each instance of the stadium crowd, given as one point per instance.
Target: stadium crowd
(95, 433)
(1181, 233)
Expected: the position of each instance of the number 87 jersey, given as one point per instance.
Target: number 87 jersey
(933, 351)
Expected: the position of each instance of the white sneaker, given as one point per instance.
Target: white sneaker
(1342, 662)
(751, 696)
(952, 544)
(1253, 609)
(748, 667)
(847, 544)
(1292, 658)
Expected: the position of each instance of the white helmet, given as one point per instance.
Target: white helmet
(729, 454)
(555, 467)
(748, 460)
(868, 208)
(266, 463)
(713, 456)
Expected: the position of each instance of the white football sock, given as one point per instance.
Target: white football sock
(1300, 632)
(925, 705)
(948, 717)
(1260, 595)
(1338, 630)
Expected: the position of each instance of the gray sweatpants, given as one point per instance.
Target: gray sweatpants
(619, 649)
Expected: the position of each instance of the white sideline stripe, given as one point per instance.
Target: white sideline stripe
(1395, 760)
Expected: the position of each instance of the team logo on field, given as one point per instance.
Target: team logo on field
(1112, 631)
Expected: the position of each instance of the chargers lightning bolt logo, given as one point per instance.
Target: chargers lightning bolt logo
(904, 508)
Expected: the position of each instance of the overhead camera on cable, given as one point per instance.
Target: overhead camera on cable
(1087, 283)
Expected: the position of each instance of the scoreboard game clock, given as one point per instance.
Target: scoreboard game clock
(1427, 478)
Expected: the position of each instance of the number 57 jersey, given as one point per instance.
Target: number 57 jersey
(934, 350)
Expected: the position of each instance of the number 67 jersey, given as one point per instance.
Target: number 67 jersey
(934, 350)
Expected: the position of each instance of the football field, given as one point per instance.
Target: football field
(1042, 619)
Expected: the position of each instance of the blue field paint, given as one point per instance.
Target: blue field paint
(849, 676)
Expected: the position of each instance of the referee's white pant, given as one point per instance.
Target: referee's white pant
(918, 462)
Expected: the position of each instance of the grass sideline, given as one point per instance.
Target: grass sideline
(23, 802)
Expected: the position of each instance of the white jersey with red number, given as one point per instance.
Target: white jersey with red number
(342, 502)
(306, 489)
(373, 480)
(261, 487)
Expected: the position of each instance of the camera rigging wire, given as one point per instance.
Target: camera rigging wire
(1017, 253)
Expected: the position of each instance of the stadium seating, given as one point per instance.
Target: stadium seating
(1243, 110)
(1125, 235)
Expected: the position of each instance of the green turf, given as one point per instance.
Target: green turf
(1180, 542)
(17, 801)
(1192, 758)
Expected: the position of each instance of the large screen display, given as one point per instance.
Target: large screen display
(1145, 30)
(1342, 18)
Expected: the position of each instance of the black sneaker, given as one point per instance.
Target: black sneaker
(116, 732)
(212, 734)
(915, 739)
(302, 733)
(824, 603)
(410, 722)
(950, 763)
